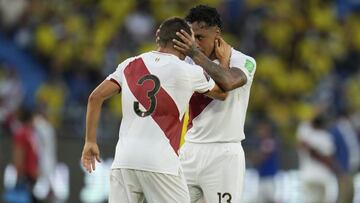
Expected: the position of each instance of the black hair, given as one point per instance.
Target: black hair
(206, 14)
(169, 28)
(320, 121)
(25, 114)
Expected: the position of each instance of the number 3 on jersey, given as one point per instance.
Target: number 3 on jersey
(150, 94)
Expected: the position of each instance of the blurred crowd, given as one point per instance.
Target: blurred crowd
(307, 53)
(307, 56)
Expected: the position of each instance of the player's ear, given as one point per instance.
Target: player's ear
(217, 36)
(157, 35)
(218, 32)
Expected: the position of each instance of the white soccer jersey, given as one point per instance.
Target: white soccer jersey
(222, 121)
(321, 141)
(156, 88)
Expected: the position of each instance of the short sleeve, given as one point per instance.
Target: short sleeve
(245, 63)
(199, 80)
(117, 75)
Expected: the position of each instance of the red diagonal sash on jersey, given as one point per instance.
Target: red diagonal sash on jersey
(166, 113)
(198, 103)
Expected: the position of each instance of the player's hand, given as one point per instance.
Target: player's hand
(222, 52)
(188, 45)
(90, 153)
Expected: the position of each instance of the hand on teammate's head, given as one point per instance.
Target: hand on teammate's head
(186, 44)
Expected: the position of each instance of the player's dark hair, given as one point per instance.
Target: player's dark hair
(319, 121)
(169, 28)
(206, 14)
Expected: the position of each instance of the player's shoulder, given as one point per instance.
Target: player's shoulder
(127, 61)
(192, 69)
(305, 125)
(149, 54)
(303, 128)
(161, 59)
(236, 54)
(187, 65)
(243, 61)
(191, 64)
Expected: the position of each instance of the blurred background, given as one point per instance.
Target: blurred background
(54, 52)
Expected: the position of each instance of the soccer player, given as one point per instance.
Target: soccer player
(212, 156)
(317, 168)
(156, 88)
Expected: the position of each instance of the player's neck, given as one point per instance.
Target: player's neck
(213, 56)
(169, 51)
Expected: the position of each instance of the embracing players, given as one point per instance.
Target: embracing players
(156, 88)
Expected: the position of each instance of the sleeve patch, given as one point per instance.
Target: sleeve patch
(249, 65)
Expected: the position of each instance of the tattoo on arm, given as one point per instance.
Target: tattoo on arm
(227, 79)
(223, 77)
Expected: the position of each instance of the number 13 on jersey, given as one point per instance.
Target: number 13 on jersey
(224, 196)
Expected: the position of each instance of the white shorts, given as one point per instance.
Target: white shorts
(133, 186)
(267, 190)
(322, 188)
(214, 171)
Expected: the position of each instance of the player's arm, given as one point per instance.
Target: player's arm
(227, 79)
(326, 160)
(91, 151)
(203, 84)
(217, 93)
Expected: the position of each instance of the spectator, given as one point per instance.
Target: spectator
(46, 142)
(11, 12)
(266, 162)
(25, 154)
(11, 95)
